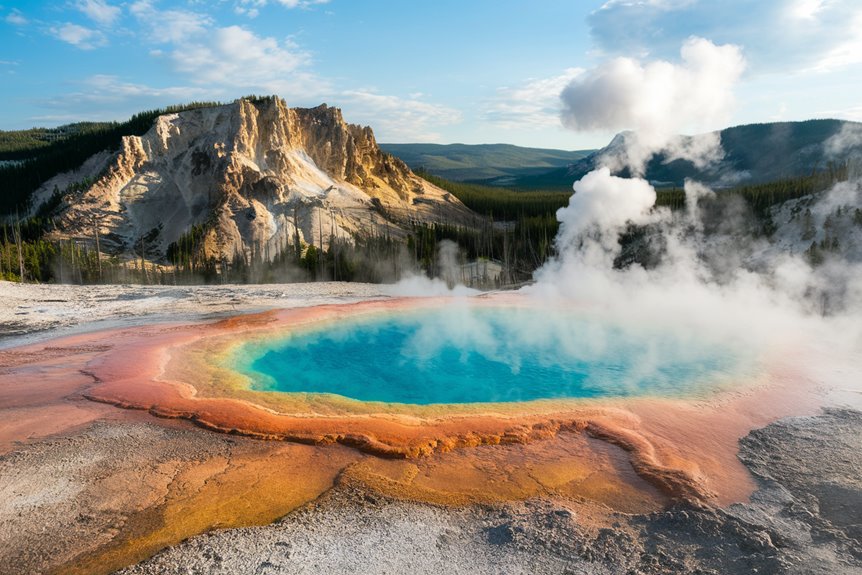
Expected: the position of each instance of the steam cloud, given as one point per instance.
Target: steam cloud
(724, 282)
(447, 282)
(657, 100)
(709, 279)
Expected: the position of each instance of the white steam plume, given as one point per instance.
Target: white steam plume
(657, 100)
(598, 211)
(848, 139)
(446, 283)
(703, 276)
(707, 274)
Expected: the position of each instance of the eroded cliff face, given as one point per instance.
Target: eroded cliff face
(256, 175)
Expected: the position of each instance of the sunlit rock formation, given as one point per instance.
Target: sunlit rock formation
(255, 177)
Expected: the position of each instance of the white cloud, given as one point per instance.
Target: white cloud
(533, 105)
(236, 56)
(844, 53)
(228, 57)
(105, 87)
(79, 36)
(397, 119)
(250, 12)
(781, 35)
(170, 26)
(99, 11)
(804, 9)
(106, 96)
(657, 4)
(16, 17)
(853, 113)
(657, 99)
(286, 3)
(251, 8)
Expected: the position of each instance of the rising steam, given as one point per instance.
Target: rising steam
(709, 280)
(729, 283)
(658, 100)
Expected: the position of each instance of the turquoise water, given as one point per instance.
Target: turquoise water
(467, 355)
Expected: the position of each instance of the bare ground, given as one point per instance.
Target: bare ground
(33, 311)
(62, 498)
(805, 518)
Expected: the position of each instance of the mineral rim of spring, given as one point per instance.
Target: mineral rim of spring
(457, 355)
(630, 452)
(675, 401)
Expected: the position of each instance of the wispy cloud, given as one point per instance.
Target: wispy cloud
(853, 113)
(227, 58)
(845, 52)
(109, 88)
(9, 66)
(169, 26)
(787, 35)
(804, 9)
(235, 56)
(397, 119)
(16, 18)
(286, 3)
(104, 96)
(535, 104)
(99, 11)
(219, 61)
(251, 8)
(79, 36)
(301, 3)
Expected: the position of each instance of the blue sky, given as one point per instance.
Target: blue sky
(477, 71)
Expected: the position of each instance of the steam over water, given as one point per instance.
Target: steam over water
(710, 286)
(464, 354)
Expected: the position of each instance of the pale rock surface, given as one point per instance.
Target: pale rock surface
(257, 174)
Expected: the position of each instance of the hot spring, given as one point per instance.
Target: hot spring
(463, 354)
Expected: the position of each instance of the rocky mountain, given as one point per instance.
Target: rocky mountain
(252, 176)
(493, 164)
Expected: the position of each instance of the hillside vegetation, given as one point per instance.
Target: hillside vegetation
(516, 225)
(495, 164)
(753, 154)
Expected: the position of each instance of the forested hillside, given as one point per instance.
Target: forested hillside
(516, 224)
(35, 156)
(753, 154)
(494, 164)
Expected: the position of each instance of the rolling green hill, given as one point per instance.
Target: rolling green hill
(754, 154)
(495, 164)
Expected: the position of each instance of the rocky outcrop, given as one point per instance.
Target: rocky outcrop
(256, 175)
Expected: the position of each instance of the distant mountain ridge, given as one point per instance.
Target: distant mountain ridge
(495, 164)
(753, 153)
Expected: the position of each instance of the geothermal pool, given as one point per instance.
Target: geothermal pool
(464, 354)
(492, 397)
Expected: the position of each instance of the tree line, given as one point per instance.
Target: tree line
(521, 240)
(516, 229)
